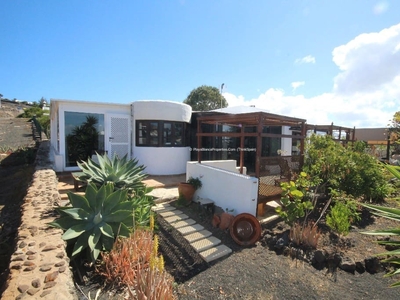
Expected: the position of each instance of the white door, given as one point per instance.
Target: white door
(118, 137)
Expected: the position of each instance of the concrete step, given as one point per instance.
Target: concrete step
(190, 229)
(183, 223)
(176, 218)
(170, 213)
(162, 207)
(215, 253)
(204, 244)
(195, 236)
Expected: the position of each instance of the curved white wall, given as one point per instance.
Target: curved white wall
(161, 160)
(161, 110)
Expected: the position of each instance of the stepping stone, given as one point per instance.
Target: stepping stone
(215, 253)
(170, 213)
(203, 201)
(205, 244)
(197, 236)
(162, 207)
(176, 218)
(273, 204)
(190, 229)
(183, 223)
(269, 219)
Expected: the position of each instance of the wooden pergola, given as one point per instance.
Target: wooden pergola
(330, 129)
(254, 119)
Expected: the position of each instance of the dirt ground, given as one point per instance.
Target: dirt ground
(260, 272)
(16, 172)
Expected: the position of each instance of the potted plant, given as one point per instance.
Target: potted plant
(188, 188)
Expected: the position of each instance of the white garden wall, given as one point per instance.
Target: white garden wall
(229, 190)
(228, 165)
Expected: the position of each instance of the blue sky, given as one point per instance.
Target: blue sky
(325, 61)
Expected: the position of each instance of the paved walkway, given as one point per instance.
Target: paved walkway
(201, 240)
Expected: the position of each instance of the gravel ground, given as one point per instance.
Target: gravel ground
(259, 272)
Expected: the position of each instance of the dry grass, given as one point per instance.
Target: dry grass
(306, 235)
(134, 262)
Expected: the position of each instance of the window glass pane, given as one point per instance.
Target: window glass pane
(84, 135)
(142, 133)
(179, 134)
(154, 133)
(167, 134)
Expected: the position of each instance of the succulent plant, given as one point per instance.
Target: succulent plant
(124, 173)
(96, 219)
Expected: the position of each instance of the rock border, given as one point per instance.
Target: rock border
(39, 267)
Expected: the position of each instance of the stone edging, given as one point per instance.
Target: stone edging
(39, 267)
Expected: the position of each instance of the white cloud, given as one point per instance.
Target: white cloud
(368, 62)
(297, 84)
(309, 59)
(366, 91)
(380, 8)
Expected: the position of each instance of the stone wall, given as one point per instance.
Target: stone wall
(39, 267)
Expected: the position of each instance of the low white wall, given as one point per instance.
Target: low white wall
(229, 190)
(163, 160)
(228, 165)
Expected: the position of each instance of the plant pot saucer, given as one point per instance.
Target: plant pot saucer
(245, 229)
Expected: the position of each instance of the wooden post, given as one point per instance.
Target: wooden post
(259, 144)
(241, 149)
(199, 146)
(302, 143)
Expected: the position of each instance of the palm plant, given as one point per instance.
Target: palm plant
(124, 173)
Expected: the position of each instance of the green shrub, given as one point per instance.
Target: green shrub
(295, 199)
(347, 169)
(342, 215)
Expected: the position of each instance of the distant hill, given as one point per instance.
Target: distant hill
(11, 109)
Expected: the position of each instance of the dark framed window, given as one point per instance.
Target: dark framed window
(160, 133)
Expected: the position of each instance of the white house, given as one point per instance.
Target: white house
(153, 131)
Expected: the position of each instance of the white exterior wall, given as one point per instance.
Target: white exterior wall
(161, 160)
(161, 110)
(229, 190)
(286, 143)
(58, 107)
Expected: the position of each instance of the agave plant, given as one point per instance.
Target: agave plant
(124, 173)
(96, 219)
(393, 214)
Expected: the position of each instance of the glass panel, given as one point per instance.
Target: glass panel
(154, 133)
(142, 133)
(178, 134)
(167, 134)
(84, 135)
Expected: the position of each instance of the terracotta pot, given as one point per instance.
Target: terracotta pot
(245, 229)
(226, 220)
(186, 190)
